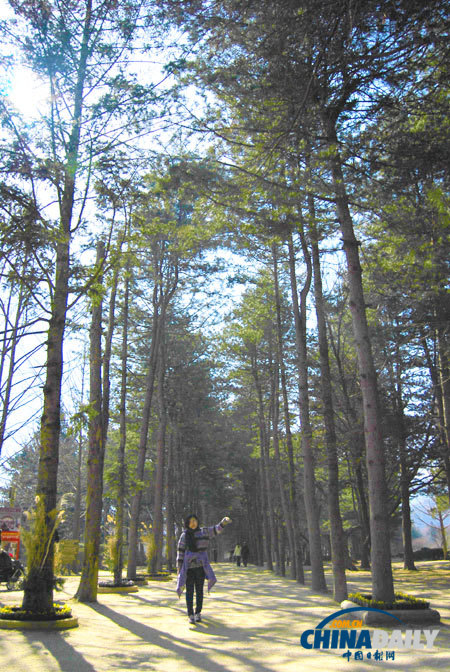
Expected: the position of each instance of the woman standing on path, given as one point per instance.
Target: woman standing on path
(193, 563)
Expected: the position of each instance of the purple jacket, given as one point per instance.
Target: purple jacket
(203, 557)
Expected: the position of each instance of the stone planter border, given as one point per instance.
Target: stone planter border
(59, 624)
(409, 616)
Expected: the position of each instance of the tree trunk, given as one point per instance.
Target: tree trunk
(106, 382)
(51, 416)
(405, 478)
(355, 465)
(170, 534)
(76, 533)
(440, 410)
(364, 516)
(160, 459)
(318, 582)
(161, 299)
(121, 467)
(142, 451)
(264, 480)
(338, 554)
(444, 385)
(382, 581)
(292, 507)
(87, 590)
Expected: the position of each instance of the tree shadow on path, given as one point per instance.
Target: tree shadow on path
(187, 650)
(67, 657)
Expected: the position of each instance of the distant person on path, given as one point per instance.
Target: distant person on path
(245, 553)
(237, 554)
(193, 563)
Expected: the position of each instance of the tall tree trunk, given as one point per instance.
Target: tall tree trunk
(106, 382)
(269, 524)
(338, 553)
(405, 478)
(435, 379)
(142, 450)
(162, 296)
(382, 580)
(278, 473)
(408, 557)
(356, 456)
(121, 467)
(160, 458)
(269, 478)
(76, 533)
(40, 595)
(87, 590)
(294, 543)
(364, 516)
(444, 385)
(170, 518)
(318, 582)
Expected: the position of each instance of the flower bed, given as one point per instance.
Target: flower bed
(159, 576)
(18, 618)
(401, 601)
(19, 614)
(124, 586)
(110, 584)
(407, 608)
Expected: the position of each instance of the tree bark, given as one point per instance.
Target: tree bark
(142, 450)
(338, 554)
(160, 458)
(318, 582)
(51, 416)
(264, 480)
(440, 410)
(121, 466)
(170, 518)
(382, 580)
(444, 385)
(87, 590)
(162, 296)
(289, 506)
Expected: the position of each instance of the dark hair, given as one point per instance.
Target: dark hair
(191, 542)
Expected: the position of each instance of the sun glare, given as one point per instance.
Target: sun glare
(27, 93)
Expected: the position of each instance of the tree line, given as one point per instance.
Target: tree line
(314, 148)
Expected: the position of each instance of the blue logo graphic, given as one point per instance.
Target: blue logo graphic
(349, 634)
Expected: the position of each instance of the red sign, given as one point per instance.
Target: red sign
(12, 538)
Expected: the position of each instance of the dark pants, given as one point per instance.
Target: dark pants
(194, 577)
(238, 560)
(244, 560)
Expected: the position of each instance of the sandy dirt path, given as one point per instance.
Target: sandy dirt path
(253, 621)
